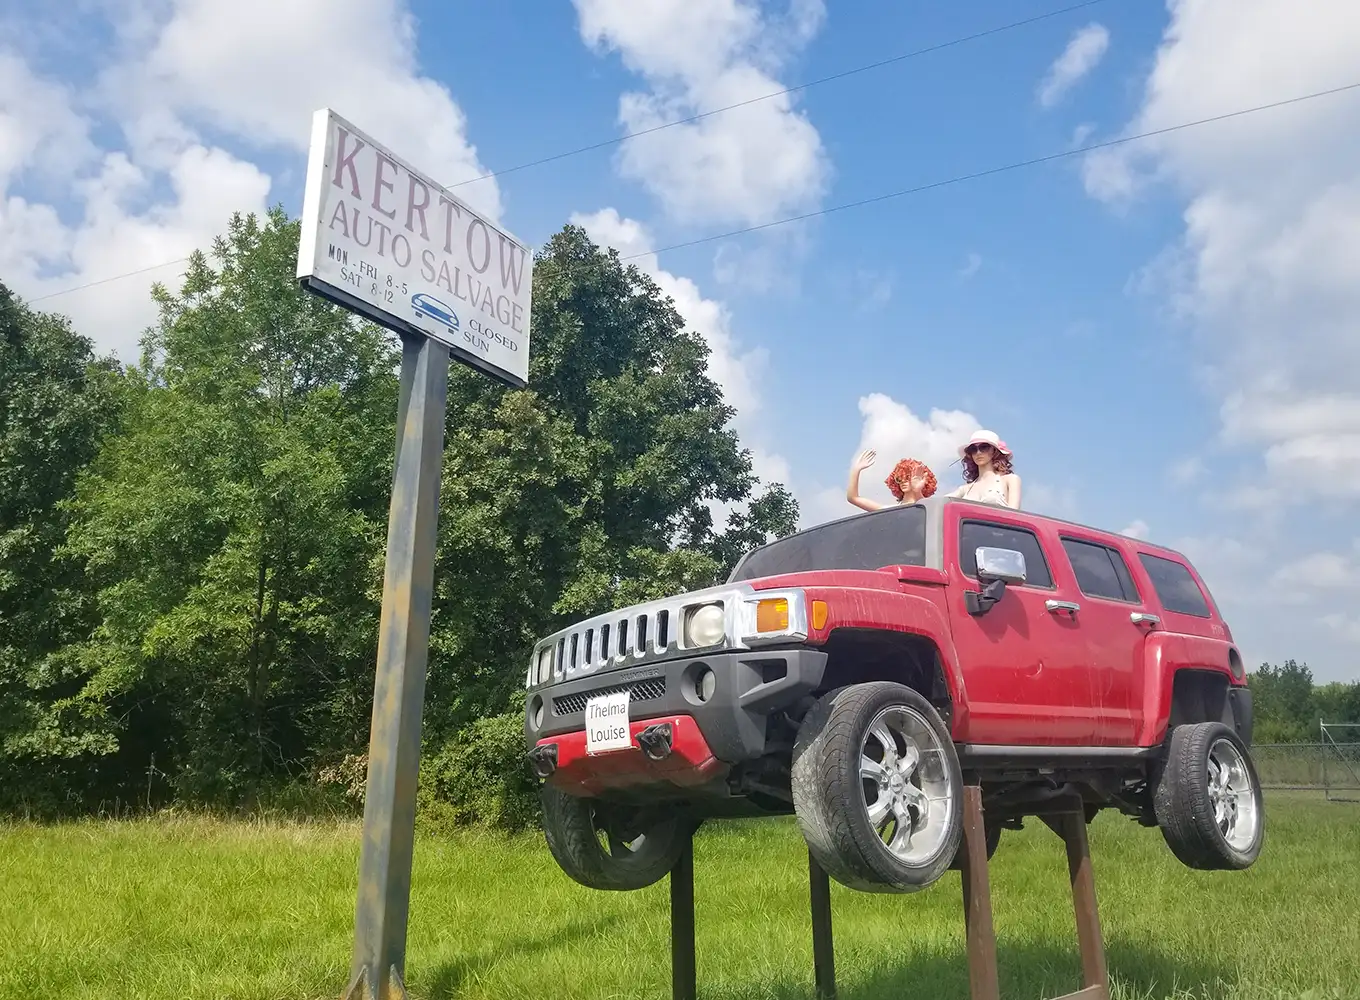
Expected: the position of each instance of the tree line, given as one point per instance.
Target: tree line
(1288, 706)
(191, 545)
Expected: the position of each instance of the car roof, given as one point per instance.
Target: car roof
(935, 504)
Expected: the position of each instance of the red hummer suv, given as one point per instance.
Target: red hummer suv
(858, 673)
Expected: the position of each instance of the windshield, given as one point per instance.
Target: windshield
(892, 537)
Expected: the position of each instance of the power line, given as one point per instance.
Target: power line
(960, 178)
(101, 281)
(788, 90)
(853, 71)
(947, 182)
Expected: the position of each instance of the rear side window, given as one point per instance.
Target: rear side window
(1175, 587)
(974, 535)
(1100, 571)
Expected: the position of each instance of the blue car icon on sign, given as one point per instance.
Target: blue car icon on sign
(430, 306)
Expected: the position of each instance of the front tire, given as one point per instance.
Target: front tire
(604, 848)
(877, 788)
(1208, 799)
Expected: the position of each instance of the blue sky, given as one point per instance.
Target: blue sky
(1161, 332)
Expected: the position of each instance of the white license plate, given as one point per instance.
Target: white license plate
(607, 723)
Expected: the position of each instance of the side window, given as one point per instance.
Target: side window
(974, 535)
(1175, 586)
(1100, 570)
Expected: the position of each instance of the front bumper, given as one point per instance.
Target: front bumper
(749, 685)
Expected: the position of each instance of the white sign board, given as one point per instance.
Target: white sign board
(607, 723)
(384, 240)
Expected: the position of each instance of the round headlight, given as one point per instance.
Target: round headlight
(705, 626)
(545, 665)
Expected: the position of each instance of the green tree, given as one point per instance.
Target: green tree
(232, 529)
(1282, 703)
(57, 401)
(232, 532)
(1338, 702)
(590, 489)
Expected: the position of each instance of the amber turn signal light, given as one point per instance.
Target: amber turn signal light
(772, 615)
(819, 612)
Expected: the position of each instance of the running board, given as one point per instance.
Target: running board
(994, 755)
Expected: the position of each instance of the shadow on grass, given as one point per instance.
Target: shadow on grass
(448, 977)
(1027, 973)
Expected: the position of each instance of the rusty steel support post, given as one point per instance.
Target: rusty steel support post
(823, 944)
(683, 974)
(378, 966)
(1071, 827)
(983, 981)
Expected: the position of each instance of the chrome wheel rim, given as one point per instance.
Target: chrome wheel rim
(905, 777)
(1232, 796)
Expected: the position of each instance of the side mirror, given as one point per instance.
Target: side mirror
(1006, 565)
(996, 568)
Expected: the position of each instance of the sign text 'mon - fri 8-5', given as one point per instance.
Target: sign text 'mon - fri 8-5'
(384, 240)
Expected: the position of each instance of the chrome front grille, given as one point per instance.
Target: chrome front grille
(628, 636)
(656, 631)
(617, 638)
(644, 690)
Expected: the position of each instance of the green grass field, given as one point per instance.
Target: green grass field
(179, 909)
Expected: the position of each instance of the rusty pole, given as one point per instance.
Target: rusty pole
(378, 966)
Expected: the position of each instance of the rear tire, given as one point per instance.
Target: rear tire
(596, 847)
(1208, 800)
(875, 761)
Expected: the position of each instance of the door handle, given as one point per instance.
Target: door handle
(1069, 606)
(1142, 617)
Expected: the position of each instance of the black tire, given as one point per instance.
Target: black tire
(574, 828)
(1185, 806)
(831, 802)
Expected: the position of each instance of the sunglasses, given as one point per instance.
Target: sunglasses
(974, 448)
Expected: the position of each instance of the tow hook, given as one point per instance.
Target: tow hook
(656, 741)
(543, 759)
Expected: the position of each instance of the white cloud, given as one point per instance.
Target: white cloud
(40, 129)
(1268, 269)
(735, 370)
(1319, 571)
(752, 164)
(1187, 470)
(356, 56)
(1053, 501)
(1083, 53)
(155, 188)
(895, 432)
(1135, 529)
(1266, 276)
(971, 266)
(1346, 628)
(891, 428)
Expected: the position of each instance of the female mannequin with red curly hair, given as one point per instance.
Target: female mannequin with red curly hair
(910, 481)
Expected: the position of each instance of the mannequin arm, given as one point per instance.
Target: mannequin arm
(1013, 491)
(852, 492)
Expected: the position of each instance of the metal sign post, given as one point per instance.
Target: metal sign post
(386, 242)
(379, 961)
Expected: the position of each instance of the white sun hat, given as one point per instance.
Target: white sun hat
(984, 437)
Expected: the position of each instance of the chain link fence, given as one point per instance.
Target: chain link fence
(1332, 768)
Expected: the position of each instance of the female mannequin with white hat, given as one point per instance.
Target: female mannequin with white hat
(987, 474)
